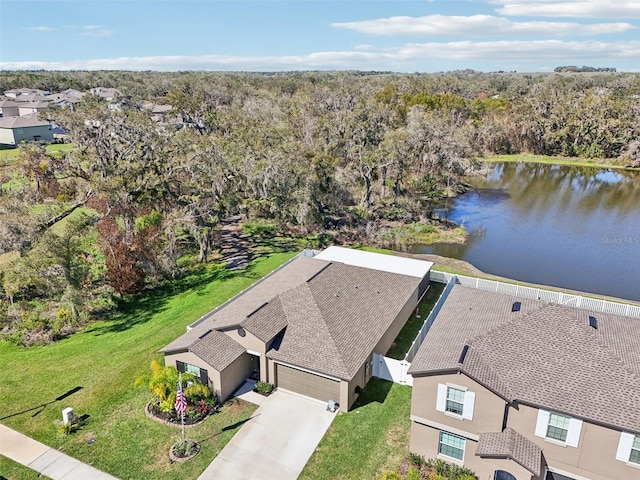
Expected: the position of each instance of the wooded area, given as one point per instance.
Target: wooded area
(342, 155)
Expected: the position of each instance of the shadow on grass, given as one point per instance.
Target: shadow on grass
(39, 409)
(376, 391)
(139, 309)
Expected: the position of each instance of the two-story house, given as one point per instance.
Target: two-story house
(523, 389)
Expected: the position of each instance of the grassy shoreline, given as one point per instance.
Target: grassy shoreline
(571, 161)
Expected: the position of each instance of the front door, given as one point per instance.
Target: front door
(255, 368)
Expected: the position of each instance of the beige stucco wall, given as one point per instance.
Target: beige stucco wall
(234, 376)
(348, 393)
(424, 442)
(595, 456)
(253, 343)
(488, 411)
(188, 357)
(394, 329)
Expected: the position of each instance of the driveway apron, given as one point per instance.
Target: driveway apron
(276, 442)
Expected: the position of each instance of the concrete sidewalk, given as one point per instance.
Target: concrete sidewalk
(276, 442)
(49, 462)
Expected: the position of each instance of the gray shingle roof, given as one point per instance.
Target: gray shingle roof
(25, 121)
(216, 348)
(510, 444)
(336, 319)
(333, 315)
(545, 355)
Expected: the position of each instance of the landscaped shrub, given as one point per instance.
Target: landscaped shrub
(196, 391)
(449, 470)
(264, 387)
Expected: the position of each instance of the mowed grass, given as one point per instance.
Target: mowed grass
(409, 332)
(102, 363)
(11, 470)
(580, 162)
(8, 156)
(367, 441)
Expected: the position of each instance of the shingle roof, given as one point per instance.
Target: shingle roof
(510, 444)
(335, 320)
(216, 348)
(333, 315)
(24, 121)
(545, 355)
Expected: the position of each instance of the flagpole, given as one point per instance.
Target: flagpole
(182, 410)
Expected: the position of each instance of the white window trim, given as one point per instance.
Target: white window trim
(573, 432)
(625, 445)
(458, 461)
(467, 407)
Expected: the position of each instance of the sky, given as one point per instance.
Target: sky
(368, 35)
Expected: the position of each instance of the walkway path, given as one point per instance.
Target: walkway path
(276, 442)
(49, 462)
(234, 244)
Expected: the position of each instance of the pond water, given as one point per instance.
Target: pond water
(565, 226)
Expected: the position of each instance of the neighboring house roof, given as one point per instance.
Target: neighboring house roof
(23, 121)
(25, 91)
(36, 105)
(510, 444)
(107, 93)
(32, 98)
(330, 315)
(545, 355)
(156, 108)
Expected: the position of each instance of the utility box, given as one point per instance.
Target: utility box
(67, 415)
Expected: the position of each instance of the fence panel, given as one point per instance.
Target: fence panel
(391, 369)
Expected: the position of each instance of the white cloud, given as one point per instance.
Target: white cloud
(41, 29)
(504, 55)
(476, 25)
(95, 31)
(570, 8)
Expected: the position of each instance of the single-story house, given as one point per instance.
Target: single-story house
(28, 128)
(21, 92)
(310, 327)
(522, 389)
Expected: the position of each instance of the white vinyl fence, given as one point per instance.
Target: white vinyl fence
(391, 369)
(549, 296)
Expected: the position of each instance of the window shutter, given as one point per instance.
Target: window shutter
(542, 423)
(441, 403)
(624, 446)
(469, 403)
(180, 366)
(204, 376)
(573, 435)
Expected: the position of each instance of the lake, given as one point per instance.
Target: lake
(564, 226)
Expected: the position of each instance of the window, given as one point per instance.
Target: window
(558, 428)
(451, 445)
(456, 401)
(192, 369)
(629, 448)
(634, 457)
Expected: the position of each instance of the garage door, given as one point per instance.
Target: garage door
(307, 384)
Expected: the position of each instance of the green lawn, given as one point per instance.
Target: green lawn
(367, 441)
(581, 162)
(409, 332)
(104, 360)
(14, 471)
(8, 155)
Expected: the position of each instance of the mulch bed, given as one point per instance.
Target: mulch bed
(171, 418)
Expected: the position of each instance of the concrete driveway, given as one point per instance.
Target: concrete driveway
(276, 442)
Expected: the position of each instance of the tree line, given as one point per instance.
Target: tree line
(341, 153)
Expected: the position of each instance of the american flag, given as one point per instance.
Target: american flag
(181, 401)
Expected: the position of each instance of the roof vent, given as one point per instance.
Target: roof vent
(336, 294)
(516, 306)
(593, 322)
(205, 333)
(463, 355)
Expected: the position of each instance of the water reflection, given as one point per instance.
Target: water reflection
(567, 226)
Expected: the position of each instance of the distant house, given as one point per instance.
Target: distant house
(27, 108)
(21, 92)
(10, 108)
(519, 389)
(108, 94)
(28, 128)
(67, 100)
(310, 327)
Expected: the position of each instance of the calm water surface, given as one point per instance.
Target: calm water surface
(571, 227)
